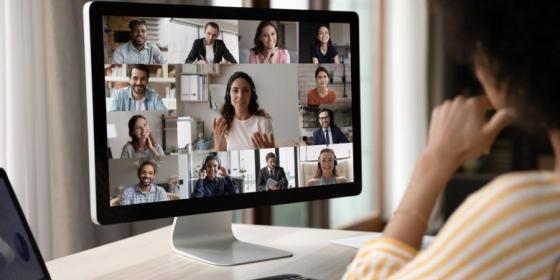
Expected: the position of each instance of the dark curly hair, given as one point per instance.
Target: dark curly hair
(228, 111)
(144, 163)
(259, 47)
(520, 42)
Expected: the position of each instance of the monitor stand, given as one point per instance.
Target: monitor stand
(209, 238)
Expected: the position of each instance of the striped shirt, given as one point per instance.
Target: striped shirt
(510, 229)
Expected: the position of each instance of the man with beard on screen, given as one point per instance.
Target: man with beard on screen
(145, 191)
(138, 49)
(137, 96)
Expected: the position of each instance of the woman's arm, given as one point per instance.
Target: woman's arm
(153, 149)
(336, 59)
(458, 132)
(312, 182)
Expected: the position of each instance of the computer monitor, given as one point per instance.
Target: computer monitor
(201, 110)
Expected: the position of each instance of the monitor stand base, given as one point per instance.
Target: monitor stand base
(209, 238)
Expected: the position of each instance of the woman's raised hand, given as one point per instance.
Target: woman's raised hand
(263, 140)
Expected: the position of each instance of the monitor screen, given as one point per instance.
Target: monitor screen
(203, 109)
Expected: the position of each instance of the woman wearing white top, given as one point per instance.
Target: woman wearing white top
(242, 125)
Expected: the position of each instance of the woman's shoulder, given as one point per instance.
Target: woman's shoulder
(527, 179)
(314, 50)
(284, 56)
(252, 56)
(262, 117)
(128, 146)
(515, 184)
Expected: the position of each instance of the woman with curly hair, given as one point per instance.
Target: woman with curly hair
(509, 229)
(242, 124)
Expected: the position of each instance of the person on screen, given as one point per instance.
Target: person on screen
(138, 50)
(267, 49)
(242, 124)
(328, 133)
(323, 50)
(210, 49)
(209, 184)
(271, 177)
(142, 144)
(510, 228)
(145, 191)
(321, 94)
(137, 96)
(326, 170)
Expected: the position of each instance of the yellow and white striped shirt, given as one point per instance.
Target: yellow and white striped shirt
(510, 229)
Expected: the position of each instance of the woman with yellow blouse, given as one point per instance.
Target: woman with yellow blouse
(510, 229)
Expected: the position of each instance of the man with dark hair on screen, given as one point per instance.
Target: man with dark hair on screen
(271, 177)
(145, 191)
(137, 96)
(328, 133)
(210, 49)
(138, 50)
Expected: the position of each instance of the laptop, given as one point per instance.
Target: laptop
(19, 255)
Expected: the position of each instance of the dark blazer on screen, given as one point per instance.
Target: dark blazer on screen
(198, 51)
(279, 176)
(337, 136)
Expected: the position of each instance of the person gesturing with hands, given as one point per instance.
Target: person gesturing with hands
(209, 183)
(267, 49)
(142, 144)
(510, 228)
(242, 124)
(459, 131)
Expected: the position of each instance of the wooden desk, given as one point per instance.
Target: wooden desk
(149, 256)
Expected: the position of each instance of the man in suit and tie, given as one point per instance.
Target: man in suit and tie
(210, 49)
(271, 177)
(328, 133)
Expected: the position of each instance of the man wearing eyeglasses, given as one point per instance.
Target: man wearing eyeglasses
(328, 133)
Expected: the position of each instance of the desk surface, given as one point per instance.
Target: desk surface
(150, 256)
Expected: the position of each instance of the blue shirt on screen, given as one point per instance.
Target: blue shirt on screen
(122, 100)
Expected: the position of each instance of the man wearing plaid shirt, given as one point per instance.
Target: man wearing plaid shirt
(145, 191)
